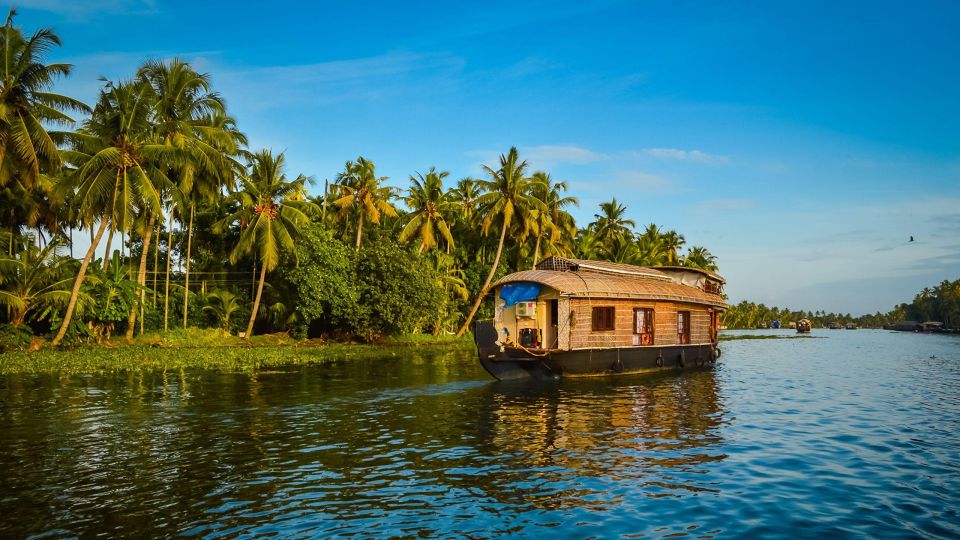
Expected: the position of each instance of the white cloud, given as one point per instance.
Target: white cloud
(641, 181)
(687, 155)
(545, 155)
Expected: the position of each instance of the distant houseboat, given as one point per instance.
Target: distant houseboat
(834, 326)
(803, 326)
(573, 317)
(851, 326)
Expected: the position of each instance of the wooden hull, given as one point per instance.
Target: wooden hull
(515, 363)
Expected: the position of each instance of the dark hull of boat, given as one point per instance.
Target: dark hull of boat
(519, 364)
(515, 363)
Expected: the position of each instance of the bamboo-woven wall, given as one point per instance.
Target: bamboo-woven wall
(665, 323)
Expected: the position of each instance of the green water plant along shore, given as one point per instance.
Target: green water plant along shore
(205, 350)
(735, 337)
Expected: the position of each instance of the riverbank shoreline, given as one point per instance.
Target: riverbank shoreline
(210, 351)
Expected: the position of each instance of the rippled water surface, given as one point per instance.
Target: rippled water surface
(853, 434)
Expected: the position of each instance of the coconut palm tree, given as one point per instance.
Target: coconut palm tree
(700, 257)
(611, 222)
(222, 304)
(192, 119)
(507, 197)
(35, 278)
(554, 221)
(651, 250)
(27, 150)
(360, 189)
(430, 208)
(116, 157)
(465, 195)
(673, 242)
(276, 208)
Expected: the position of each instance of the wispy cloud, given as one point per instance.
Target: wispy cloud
(362, 79)
(546, 155)
(687, 155)
(641, 181)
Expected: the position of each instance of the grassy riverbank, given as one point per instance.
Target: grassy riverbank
(201, 349)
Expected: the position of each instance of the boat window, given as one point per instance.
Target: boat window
(643, 325)
(603, 318)
(683, 327)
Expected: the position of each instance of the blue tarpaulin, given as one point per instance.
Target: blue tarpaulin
(514, 293)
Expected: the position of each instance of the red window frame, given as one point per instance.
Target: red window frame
(643, 326)
(683, 327)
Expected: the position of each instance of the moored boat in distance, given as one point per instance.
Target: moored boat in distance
(575, 318)
(803, 326)
(852, 326)
(834, 325)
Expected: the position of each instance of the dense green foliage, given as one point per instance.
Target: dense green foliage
(204, 232)
(940, 303)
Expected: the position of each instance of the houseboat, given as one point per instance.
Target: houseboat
(575, 318)
(803, 326)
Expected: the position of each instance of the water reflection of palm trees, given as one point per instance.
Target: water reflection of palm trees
(576, 444)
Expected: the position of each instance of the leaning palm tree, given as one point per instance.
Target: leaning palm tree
(27, 150)
(360, 188)
(276, 208)
(115, 156)
(507, 197)
(430, 208)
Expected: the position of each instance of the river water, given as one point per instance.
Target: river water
(850, 433)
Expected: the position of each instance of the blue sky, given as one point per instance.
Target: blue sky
(801, 142)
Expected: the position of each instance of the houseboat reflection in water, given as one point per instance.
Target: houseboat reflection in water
(571, 444)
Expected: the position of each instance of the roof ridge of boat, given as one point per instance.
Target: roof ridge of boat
(600, 266)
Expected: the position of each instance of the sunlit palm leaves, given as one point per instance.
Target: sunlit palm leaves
(271, 211)
(507, 197)
(360, 190)
(431, 208)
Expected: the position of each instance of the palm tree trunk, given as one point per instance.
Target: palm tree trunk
(536, 252)
(78, 282)
(360, 230)
(156, 258)
(166, 286)
(486, 284)
(141, 276)
(106, 254)
(186, 282)
(256, 301)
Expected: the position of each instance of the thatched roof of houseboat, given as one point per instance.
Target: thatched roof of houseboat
(588, 283)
